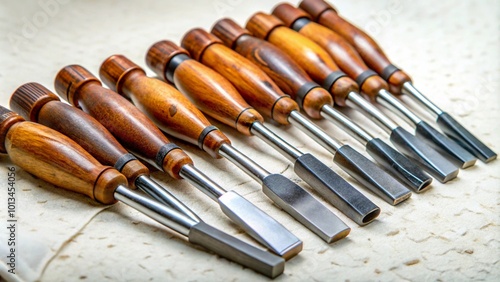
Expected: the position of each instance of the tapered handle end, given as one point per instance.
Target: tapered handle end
(289, 14)
(160, 54)
(261, 24)
(315, 7)
(114, 70)
(228, 31)
(197, 40)
(70, 80)
(29, 98)
(7, 119)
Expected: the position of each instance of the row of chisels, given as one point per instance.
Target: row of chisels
(289, 66)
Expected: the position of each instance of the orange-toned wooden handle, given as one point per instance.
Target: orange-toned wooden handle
(127, 123)
(206, 88)
(57, 159)
(369, 50)
(287, 74)
(36, 103)
(309, 55)
(256, 87)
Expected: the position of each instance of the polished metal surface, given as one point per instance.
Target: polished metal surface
(243, 162)
(313, 131)
(354, 100)
(306, 209)
(290, 152)
(162, 214)
(342, 121)
(201, 181)
(150, 187)
(236, 250)
(392, 103)
(260, 225)
(410, 90)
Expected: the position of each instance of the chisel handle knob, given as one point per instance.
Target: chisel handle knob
(254, 85)
(36, 103)
(207, 89)
(127, 123)
(289, 76)
(55, 158)
(370, 51)
(163, 104)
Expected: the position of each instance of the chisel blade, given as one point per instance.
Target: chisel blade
(405, 169)
(445, 145)
(438, 166)
(462, 136)
(236, 250)
(371, 176)
(306, 209)
(336, 190)
(260, 225)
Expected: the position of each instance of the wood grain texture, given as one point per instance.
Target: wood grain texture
(369, 50)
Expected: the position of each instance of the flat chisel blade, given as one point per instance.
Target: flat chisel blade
(403, 168)
(371, 176)
(236, 250)
(463, 137)
(445, 145)
(304, 208)
(260, 225)
(336, 190)
(438, 166)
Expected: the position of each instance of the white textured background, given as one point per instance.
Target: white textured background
(449, 233)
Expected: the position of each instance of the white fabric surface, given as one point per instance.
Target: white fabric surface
(450, 232)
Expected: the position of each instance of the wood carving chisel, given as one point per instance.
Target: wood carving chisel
(399, 81)
(157, 99)
(140, 136)
(321, 67)
(315, 100)
(36, 103)
(55, 158)
(260, 91)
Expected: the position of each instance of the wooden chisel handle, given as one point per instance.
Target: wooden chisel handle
(163, 104)
(36, 103)
(56, 159)
(369, 50)
(289, 76)
(309, 55)
(254, 85)
(127, 123)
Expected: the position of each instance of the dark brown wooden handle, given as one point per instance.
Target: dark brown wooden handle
(57, 159)
(254, 85)
(36, 103)
(127, 123)
(289, 76)
(208, 90)
(369, 50)
(309, 55)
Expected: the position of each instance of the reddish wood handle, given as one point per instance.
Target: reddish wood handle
(369, 50)
(57, 159)
(36, 103)
(256, 87)
(127, 123)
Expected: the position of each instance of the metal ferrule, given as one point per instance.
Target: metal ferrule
(162, 214)
(354, 100)
(342, 121)
(287, 150)
(411, 91)
(202, 182)
(387, 100)
(313, 131)
(243, 162)
(159, 193)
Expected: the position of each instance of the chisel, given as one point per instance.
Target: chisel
(259, 90)
(399, 81)
(226, 105)
(369, 82)
(315, 100)
(36, 103)
(321, 67)
(55, 158)
(140, 136)
(189, 124)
